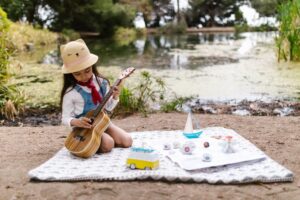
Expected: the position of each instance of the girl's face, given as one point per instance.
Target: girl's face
(83, 75)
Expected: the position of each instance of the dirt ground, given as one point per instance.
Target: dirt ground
(24, 148)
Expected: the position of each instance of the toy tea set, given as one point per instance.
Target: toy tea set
(193, 150)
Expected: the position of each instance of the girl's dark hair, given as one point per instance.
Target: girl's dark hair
(70, 81)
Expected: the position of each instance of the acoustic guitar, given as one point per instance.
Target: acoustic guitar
(84, 142)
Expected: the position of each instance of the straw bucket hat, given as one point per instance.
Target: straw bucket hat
(76, 56)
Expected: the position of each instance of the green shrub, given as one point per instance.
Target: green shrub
(174, 105)
(11, 98)
(239, 28)
(4, 22)
(4, 60)
(174, 28)
(139, 99)
(4, 51)
(127, 103)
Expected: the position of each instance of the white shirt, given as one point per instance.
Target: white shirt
(73, 102)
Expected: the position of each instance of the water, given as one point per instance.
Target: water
(217, 67)
(159, 52)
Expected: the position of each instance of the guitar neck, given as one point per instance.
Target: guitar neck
(106, 98)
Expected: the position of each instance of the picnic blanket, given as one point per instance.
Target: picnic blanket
(63, 166)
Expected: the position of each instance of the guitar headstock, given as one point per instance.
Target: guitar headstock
(126, 72)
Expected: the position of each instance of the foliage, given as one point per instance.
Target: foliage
(104, 16)
(4, 52)
(17, 9)
(4, 22)
(141, 32)
(239, 28)
(174, 105)
(127, 103)
(173, 27)
(149, 90)
(118, 15)
(288, 41)
(70, 34)
(124, 36)
(262, 28)
(96, 16)
(10, 97)
(143, 6)
(213, 13)
(11, 101)
(267, 8)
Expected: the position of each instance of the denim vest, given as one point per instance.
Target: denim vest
(87, 97)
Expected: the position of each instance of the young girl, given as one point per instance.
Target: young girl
(83, 90)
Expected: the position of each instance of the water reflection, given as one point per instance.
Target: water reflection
(156, 52)
(161, 52)
(250, 40)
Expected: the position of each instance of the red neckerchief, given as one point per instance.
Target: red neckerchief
(95, 94)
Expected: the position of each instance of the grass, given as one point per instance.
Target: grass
(40, 83)
(22, 35)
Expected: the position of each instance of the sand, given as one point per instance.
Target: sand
(24, 148)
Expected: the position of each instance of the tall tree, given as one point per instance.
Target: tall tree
(91, 15)
(162, 10)
(17, 9)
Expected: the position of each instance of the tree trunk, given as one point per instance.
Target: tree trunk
(178, 12)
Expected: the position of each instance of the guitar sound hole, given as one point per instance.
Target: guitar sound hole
(80, 138)
(92, 120)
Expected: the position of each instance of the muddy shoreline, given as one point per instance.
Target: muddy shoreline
(52, 115)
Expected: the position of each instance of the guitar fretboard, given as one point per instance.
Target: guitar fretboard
(106, 98)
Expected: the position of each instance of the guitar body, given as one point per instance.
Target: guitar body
(84, 142)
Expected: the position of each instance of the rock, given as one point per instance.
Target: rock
(283, 111)
(29, 46)
(243, 112)
(279, 142)
(254, 106)
(208, 109)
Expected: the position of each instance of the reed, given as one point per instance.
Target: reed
(288, 41)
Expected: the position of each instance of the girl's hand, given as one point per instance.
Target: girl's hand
(116, 92)
(82, 122)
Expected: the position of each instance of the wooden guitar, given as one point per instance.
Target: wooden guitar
(84, 142)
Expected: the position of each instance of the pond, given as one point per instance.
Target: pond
(217, 67)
